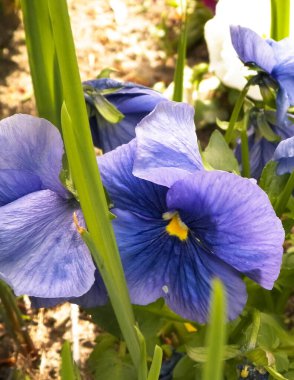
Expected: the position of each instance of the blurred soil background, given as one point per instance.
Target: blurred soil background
(137, 39)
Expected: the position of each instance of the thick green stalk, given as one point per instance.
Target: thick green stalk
(42, 59)
(69, 369)
(156, 364)
(86, 177)
(236, 112)
(285, 195)
(181, 57)
(14, 317)
(216, 333)
(280, 19)
(245, 148)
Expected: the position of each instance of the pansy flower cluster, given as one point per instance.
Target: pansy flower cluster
(177, 225)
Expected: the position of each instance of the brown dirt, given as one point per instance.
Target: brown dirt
(114, 33)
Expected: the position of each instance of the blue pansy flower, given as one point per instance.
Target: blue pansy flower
(284, 155)
(179, 226)
(261, 150)
(41, 253)
(132, 100)
(275, 58)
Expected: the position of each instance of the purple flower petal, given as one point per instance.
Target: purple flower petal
(251, 48)
(33, 146)
(283, 103)
(159, 265)
(234, 220)
(96, 296)
(41, 253)
(132, 100)
(284, 155)
(167, 147)
(126, 191)
(15, 183)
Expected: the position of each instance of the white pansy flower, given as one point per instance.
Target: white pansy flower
(253, 14)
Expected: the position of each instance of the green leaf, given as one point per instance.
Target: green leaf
(105, 318)
(156, 364)
(265, 129)
(105, 73)
(184, 370)
(272, 183)
(219, 155)
(216, 333)
(260, 357)
(142, 367)
(107, 363)
(160, 309)
(107, 110)
(275, 374)
(222, 124)
(199, 354)
(69, 370)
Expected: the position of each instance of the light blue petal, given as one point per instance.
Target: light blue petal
(167, 147)
(125, 190)
(108, 136)
(284, 155)
(283, 103)
(159, 265)
(15, 183)
(283, 50)
(234, 220)
(96, 296)
(32, 145)
(41, 253)
(132, 100)
(251, 48)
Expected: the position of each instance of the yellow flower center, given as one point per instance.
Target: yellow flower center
(176, 227)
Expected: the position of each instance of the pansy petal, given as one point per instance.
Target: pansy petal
(283, 103)
(32, 145)
(251, 48)
(108, 136)
(132, 100)
(138, 243)
(190, 278)
(167, 147)
(261, 152)
(159, 265)
(96, 296)
(283, 73)
(41, 253)
(15, 183)
(234, 220)
(284, 155)
(283, 49)
(126, 191)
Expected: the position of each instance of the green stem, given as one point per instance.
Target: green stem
(85, 174)
(245, 148)
(15, 320)
(42, 59)
(181, 57)
(285, 195)
(280, 19)
(236, 112)
(216, 333)
(156, 364)
(255, 330)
